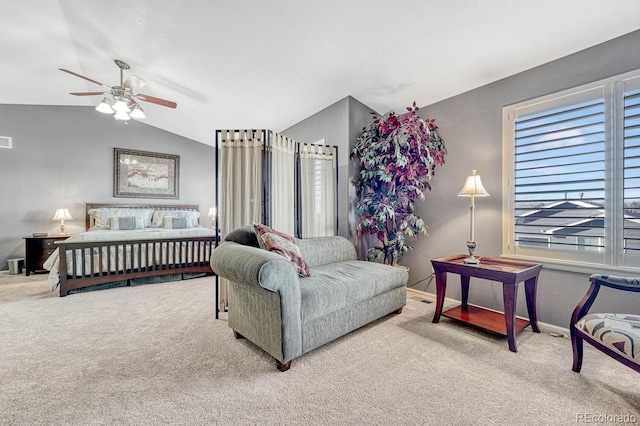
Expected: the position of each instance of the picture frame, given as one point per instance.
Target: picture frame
(143, 174)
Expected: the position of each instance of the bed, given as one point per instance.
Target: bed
(132, 245)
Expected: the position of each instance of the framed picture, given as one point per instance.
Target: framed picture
(141, 174)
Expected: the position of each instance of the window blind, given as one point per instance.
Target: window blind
(559, 177)
(631, 173)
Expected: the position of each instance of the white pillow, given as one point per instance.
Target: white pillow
(102, 215)
(190, 215)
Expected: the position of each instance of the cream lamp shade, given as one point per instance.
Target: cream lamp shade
(62, 214)
(212, 215)
(472, 188)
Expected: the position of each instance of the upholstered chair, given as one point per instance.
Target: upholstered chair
(615, 334)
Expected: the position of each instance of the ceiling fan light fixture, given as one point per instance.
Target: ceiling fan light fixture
(105, 106)
(121, 105)
(121, 100)
(137, 112)
(122, 115)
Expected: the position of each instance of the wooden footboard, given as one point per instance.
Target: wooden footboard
(87, 263)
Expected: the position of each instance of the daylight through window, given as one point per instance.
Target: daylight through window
(572, 166)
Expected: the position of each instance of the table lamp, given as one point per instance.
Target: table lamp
(212, 215)
(472, 188)
(62, 214)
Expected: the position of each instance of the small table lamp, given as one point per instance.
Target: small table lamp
(62, 214)
(212, 215)
(472, 188)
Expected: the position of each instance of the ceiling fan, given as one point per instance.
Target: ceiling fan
(121, 100)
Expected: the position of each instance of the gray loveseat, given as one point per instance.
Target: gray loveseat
(287, 315)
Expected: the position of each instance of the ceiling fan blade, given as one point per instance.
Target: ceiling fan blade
(87, 93)
(155, 100)
(86, 78)
(133, 82)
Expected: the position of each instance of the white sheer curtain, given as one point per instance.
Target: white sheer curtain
(283, 184)
(318, 189)
(241, 184)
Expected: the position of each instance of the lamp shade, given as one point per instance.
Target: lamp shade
(62, 214)
(473, 187)
(120, 105)
(104, 107)
(137, 112)
(212, 212)
(121, 115)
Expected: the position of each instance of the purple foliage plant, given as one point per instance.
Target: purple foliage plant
(398, 155)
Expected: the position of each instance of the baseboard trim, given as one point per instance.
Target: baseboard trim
(550, 329)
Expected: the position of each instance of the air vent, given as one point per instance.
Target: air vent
(5, 142)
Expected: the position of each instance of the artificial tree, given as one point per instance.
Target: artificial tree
(398, 155)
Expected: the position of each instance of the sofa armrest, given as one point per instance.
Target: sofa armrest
(253, 266)
(266, 273)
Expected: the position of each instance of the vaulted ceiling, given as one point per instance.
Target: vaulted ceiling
(271, 63)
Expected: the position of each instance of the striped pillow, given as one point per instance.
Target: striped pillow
(175, 223)
(157, 219)
(126, 223)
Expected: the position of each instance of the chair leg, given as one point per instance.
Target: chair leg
(283, 367)
(237, 335)
(399, 311)
(578, 350)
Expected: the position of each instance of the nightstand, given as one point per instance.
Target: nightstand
(38, 250)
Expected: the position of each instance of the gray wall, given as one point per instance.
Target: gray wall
(338, 124)
(63, 156)
(471, 126)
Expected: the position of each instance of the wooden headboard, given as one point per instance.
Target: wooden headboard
(89, 206)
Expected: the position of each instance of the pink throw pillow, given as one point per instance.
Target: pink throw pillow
(284, 245)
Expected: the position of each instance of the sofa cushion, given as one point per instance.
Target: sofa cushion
(336, 286)
(326, 250)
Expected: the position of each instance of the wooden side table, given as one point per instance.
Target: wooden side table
(509, 273)
(38, 250)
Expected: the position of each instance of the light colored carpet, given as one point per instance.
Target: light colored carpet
(155, 355)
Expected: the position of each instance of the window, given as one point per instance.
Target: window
(572, 169)
(631, 197)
